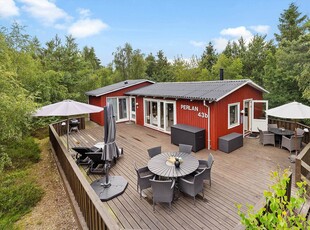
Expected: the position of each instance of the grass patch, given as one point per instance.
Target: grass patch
(18, 194)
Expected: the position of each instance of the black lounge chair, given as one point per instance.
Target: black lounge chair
(81, 156)
(97, 165)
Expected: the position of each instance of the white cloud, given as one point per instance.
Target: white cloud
(84, 13)
(197, 44)
(86, 27)
(220, 44)
(237, 32)
(8, 8)
(263, 29)
(44, 10)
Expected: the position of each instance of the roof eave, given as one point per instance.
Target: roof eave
(124, 87)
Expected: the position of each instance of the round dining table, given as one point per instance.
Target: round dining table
(281, 132)
(161, 166)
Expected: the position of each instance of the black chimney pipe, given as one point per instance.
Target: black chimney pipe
(221, 74)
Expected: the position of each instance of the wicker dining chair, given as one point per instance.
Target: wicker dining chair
(185, 148)
(163, 191)
(154, 151)
(143, 178)
(192, 184)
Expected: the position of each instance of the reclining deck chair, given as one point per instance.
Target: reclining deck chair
(81, 157)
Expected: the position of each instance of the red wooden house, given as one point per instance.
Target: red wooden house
(220, 107)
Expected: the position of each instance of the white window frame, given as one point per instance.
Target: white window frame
(127, 107)
(238, 115)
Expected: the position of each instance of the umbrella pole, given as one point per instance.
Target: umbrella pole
(68, 134)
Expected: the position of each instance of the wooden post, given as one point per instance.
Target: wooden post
(297, 170)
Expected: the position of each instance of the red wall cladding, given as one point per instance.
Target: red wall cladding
(98, 117)
(219, 113)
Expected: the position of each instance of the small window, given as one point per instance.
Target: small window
(233, 115)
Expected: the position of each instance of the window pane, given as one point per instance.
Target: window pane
(147, 112)
(122, 103)
(113, 102)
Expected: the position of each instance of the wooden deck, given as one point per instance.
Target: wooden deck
(237, 178)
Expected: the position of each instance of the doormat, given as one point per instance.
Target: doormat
(252, 135)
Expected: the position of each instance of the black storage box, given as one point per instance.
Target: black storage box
(189, 135)
(230, 142)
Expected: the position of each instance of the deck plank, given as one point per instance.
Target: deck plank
(237, 178)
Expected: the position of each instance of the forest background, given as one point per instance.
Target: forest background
(33, 75)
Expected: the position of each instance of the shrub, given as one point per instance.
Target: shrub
(281, 213)
(18, 194)
(24, 152)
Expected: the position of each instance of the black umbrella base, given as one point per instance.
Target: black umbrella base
(115, 188)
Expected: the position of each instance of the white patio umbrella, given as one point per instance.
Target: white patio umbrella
(293, 110)
(67, 108)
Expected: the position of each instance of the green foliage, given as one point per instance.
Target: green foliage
(292, 24)
(23, 152)
(280, 213)
(18, 194)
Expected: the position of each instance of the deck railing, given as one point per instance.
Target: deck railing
(96, 215)
(302, 165)
(61, 126)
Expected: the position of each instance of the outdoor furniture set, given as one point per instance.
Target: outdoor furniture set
(291, 140)
(168, 173)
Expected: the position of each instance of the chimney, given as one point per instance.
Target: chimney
(221, 74)
(125, 82)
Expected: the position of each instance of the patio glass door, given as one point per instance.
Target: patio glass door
(159, 114)
(120, 107)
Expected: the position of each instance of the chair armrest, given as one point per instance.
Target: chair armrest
(268, 134)
(148, 176)
(186, 181)
(284, 137)
(173, 183)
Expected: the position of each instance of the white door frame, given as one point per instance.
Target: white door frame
(259, 122)
(132, 118)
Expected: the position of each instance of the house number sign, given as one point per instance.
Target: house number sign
(195, 109)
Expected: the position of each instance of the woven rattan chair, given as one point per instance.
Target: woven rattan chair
(291, 144)
(207, 165)
(272, 126)
(266, 138)
(163, 191)
(143, 178)
(185, 148)
(192, 184)
(154, 151)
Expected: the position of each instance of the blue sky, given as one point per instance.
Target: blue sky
(178, 27)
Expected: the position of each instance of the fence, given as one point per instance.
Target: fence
(95, 214)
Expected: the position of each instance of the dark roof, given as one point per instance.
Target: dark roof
(206, 90)
(115, 87)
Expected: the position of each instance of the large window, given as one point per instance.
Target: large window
(233, 115)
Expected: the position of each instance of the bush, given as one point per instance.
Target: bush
(18, 194)
(281, 213)
(24, 152)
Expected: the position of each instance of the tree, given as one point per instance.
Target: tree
(232, 68)
(129, 63)
(254, 59)
(208, 58)
(90, 57)
(292, 24)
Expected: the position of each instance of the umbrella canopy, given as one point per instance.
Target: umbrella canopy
(67, 108)
(111, 149)
(293, 110)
